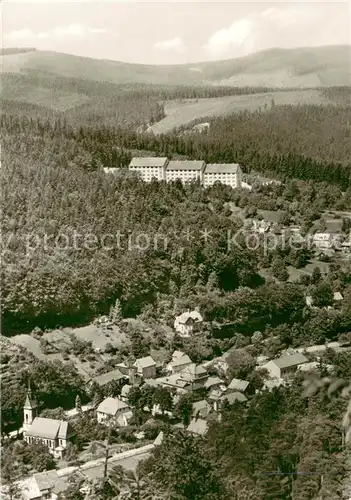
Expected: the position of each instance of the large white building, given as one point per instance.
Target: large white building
(149, 167)
(161, 169)
(226, 173)
(185, 171)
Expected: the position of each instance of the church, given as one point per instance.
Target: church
(54, 434)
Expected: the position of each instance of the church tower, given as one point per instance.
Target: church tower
(29, 410)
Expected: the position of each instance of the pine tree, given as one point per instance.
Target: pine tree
(116, 312)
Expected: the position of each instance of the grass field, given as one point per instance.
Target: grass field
(180, 113)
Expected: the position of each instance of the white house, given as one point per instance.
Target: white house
(188, 323)
(114, 410)
(178, 364)
(285, 366)
(185, 170)
(149, 168)
(226, 173)
(146, 367)
(238, 385)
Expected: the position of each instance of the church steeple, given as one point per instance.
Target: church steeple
(29, 409)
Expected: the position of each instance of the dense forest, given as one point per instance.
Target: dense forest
(53, 186)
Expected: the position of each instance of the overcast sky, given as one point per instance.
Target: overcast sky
(172, 32)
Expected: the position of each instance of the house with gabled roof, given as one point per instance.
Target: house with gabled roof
(113, 410)
(188, 323)
(238, 385)
(198, 426)
(194, 374)
(201, 409)
(146, 367)
(285, 366)
(178, 364)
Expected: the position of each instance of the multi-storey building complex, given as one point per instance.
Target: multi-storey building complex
(226, 173)
(185, 171)
(149, 168)
(161, 168)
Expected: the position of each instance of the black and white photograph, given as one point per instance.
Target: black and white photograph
(175, 259)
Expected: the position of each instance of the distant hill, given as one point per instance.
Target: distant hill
(300, 67)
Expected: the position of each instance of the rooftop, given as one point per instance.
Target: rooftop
(183, 360)
(290, 360)
(110, 406)
(185, 316)
(105, 378)
(238, 385)
(145, 362)
(211, 381)
(185, 165)
(49, 428)
(201, 408)
(151, 161)
(232, 397)
(222, 168)
(198, 426)
(193, 371)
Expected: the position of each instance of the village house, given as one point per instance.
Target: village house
(198, 426)
(327, 240)
(48, 485)
(146, 367)
(214, 383)
(188, 323)
(185, 170)
(226, 173)
(149, 168)
(201, 409)
(114, 410)
(105, 378)
(285, 366)
(53, 433)
(238, 385)
(178, 363)
(196, 375)
(218, 399)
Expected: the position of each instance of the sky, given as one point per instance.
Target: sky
(169, 32)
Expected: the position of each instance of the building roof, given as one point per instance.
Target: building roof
(222, 168)
(211, 381)
(183, 360)
(193, 371)
(233, 396)
(185, 165)
(215, 394)
(177, 355)
(290, 360)
(49, 428)
(152, 161)
(201, 408)
(110, 406)
(186, 316)
(238, 385)
(198, 426)
(145, 362)
(46, 480)
(105, 378)
(159, 439)
(30, 402)
(173, 380)
(338, 296)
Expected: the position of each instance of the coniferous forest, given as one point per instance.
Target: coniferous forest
(54, 192)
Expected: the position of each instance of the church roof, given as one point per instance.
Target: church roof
(49, 428)
(30, 402)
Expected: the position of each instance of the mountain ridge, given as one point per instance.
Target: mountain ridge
(278, 67)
